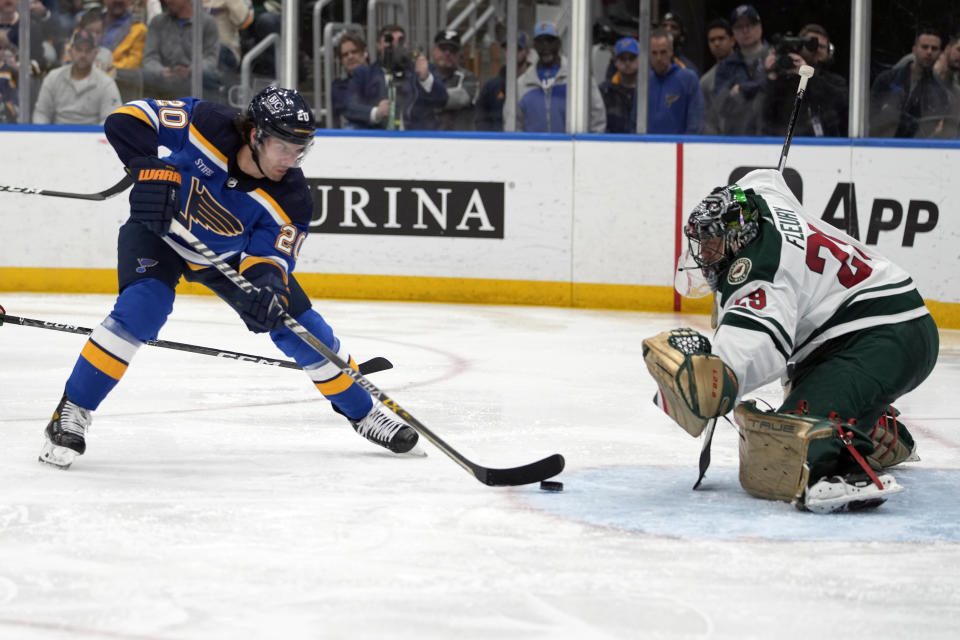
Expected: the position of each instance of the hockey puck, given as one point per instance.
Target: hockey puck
(551, 485)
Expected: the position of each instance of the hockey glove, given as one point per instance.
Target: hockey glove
(155, 198)
(262, 310)
(694, 385)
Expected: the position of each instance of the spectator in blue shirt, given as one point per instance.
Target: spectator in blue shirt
(674, 101)
(542, 89)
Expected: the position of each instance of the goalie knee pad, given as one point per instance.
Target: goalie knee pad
(773, 451)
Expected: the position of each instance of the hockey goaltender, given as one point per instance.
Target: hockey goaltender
(842, 326)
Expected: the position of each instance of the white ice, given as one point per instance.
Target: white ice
(222, 499)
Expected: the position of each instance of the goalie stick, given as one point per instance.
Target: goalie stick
(805, 72)
(513, 476)
(100, 195)
(373, 365)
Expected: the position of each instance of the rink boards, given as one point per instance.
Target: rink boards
(589, 222)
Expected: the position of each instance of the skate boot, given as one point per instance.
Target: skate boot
(65, 434)
(386, 431)
(852, 492)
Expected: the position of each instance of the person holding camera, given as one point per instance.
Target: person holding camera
(399, 91)
(824, 109)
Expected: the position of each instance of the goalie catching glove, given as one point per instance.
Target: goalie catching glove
(695, 385)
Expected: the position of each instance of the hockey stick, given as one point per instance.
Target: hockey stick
(806, 72)
(526, 474)
(100, 195)
(373, 365)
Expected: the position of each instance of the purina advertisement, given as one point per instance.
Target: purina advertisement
(593, 214)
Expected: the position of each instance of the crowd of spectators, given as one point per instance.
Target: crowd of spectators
(397, 91)
(144, 48)
(751, 87)
(140, 48)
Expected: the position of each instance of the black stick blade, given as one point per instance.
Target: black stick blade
(527, 474)
(374, 365)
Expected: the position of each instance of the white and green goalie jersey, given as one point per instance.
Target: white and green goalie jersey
(800, 283)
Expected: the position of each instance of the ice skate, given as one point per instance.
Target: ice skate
(852, 492)
(64, 435)
(388, 432)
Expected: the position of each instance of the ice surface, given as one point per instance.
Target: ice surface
(222, 499)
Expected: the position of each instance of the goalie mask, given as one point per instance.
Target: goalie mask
(719, 227)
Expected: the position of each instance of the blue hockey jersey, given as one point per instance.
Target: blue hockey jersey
(263, 221)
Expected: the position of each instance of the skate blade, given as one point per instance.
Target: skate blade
(864, 502)
(56, 456)
(841, 506)
(416, 452)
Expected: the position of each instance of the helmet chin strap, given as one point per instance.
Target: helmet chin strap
(255, 154)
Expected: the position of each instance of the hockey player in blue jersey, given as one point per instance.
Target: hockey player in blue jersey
(841, 325)
(234, 181)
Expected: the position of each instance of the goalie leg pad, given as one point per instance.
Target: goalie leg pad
(694, 384)
(773, 451)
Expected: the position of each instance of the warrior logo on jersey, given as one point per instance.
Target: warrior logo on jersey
(739, 270)
(202, 208)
